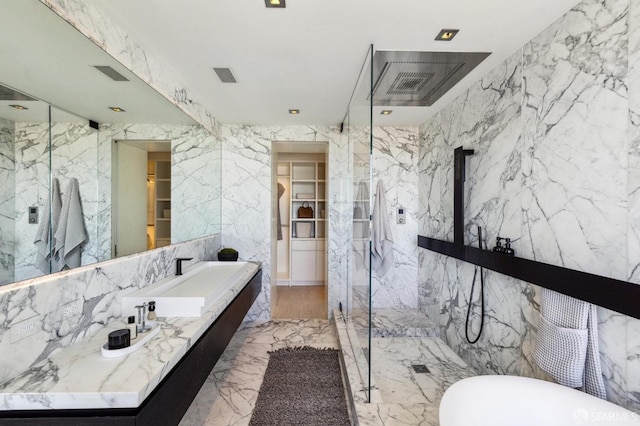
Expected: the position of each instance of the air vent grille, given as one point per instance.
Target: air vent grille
(111, 73)
(225, 75)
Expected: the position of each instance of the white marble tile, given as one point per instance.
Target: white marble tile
(74, 148)
(95, 290)
(246, 191)
(7, 201)
(231, 390)
(555, 132)
(78, 376)
(395, 163)
(575, 135)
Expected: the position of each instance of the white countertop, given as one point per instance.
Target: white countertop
(78, 376)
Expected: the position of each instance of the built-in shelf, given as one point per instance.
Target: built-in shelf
(617, 295)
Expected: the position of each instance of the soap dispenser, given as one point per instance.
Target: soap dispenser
(498, 248)
(132, 326)
(507, 248)
(151, 316)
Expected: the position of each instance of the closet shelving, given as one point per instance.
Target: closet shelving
(307, 186)
(163, 203)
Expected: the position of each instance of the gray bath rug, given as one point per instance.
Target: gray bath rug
(302, 386)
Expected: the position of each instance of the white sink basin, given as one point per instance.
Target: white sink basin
(194, 292)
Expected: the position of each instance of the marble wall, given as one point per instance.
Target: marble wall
(7, 200)
(195, 178)
(74, 153)
(555, 134)
(246, 183)
(247, 195)
(395, 163)
(93, 295)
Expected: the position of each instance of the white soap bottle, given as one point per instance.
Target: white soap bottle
(132, 326)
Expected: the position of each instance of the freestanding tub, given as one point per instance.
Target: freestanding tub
(522, 401)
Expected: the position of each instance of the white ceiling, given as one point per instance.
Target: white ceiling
(308, 56)
(45, 57)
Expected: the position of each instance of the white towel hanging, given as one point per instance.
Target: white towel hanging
(381, 238)
(71, 232)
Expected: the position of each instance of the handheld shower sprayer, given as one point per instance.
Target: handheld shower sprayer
(473, 284)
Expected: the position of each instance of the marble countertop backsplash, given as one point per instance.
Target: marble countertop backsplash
(78, 376)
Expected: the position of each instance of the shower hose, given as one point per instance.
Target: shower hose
(473, 284)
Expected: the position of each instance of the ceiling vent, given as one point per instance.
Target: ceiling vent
(419, 78)
(225, 75)
(8, 94)
(111, 73)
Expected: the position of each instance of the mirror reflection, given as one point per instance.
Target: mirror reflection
(64, 103)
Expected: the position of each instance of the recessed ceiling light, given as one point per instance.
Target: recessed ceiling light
(20, 107)
(275, 3)
(116, 109)
(386, 112)
(446, 35)
(294, 111)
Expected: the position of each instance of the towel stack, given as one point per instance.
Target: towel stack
(65, 224)
(567, 343)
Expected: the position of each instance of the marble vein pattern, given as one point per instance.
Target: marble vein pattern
(80, 377)
(554, 129)
(7, 201)
(231, 390)
(107, 35)
(399, 395)
(395, 163)
(73, 155)
(195, 178)
(246, 190)
(94, 292)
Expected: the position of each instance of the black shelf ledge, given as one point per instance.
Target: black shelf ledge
(617, 295)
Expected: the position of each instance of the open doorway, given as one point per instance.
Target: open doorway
(141, 198)
(299, 232)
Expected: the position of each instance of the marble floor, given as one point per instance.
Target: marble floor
(399, 394)
(301, 302)
(231, 390)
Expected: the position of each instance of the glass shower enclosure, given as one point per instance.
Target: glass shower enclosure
(358, 126)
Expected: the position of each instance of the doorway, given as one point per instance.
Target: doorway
(141, 198)
(299, 230)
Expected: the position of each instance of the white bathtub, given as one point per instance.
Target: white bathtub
(194, 292)
(522, 401)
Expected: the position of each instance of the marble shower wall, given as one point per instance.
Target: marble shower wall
(7, 200)
(247, 194)
(555, 134)
(74, 153)
(395, 162)
(94, 293)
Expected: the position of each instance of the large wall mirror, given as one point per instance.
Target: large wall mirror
(72, 119)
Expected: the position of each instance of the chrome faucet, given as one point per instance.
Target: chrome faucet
(179, 264)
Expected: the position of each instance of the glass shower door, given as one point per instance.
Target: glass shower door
(358, 123)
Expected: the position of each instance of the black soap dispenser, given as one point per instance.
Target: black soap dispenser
(498, 248)
(507, 248)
